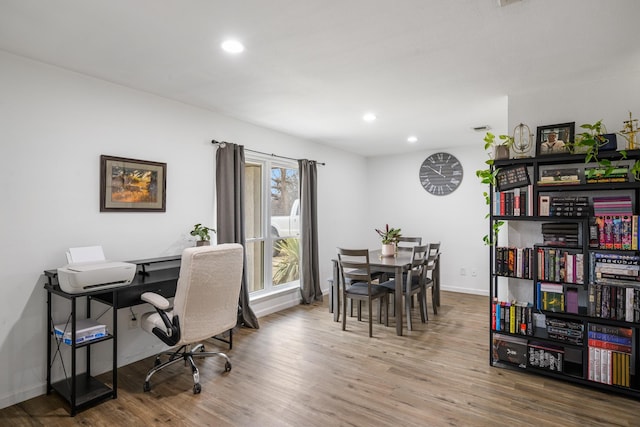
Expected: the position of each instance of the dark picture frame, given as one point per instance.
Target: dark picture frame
(512, 177)
(131, 185)
(553, 139)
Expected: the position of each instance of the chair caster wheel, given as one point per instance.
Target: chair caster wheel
(197, 388)
(227, 366)
(146, 387)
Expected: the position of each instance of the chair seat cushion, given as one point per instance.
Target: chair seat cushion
(361, 289)
(391, 285)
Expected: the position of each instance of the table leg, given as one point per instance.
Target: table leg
(335, 292)
(436, 282)
(398, 298)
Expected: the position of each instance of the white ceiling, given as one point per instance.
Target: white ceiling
(312, 68)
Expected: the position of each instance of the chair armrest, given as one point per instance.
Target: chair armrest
(156, 300)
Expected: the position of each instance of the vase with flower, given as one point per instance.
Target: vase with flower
(389, 237)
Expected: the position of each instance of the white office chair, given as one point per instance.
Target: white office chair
(205, 305)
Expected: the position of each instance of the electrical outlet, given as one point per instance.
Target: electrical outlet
(474, 272)
(463, 271)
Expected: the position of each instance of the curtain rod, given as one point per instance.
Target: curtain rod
(213, 141)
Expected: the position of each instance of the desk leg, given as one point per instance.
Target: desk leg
(335, 292)
(398, 298)
(436, 282)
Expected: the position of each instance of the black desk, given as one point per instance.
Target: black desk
(81, 390)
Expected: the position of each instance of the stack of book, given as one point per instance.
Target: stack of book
(565, 330)
(596, 174)
(612, 205)
(567, 176)
(564, 206)
(610, 353)
(561, 234)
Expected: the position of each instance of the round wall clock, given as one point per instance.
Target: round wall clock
(441, 174)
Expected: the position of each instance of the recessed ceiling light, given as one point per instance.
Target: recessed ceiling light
(369, 117)
(232, 46)
(412, 139)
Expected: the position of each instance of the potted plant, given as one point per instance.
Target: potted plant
(500, 149)
(389, 239)
(202, 232)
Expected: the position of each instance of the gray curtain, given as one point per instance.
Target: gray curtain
(230, 213)
(309, 273)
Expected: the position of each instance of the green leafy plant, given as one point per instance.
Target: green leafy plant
(202, 232)
(389, 235)
(592, 139)
(287, 266)
(489, 176)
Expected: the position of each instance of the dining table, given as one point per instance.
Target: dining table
(396, 264)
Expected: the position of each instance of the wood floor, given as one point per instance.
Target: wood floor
(301, 369)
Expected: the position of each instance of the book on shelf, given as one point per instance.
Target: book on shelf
(568, 331)
(612, 205)
(550, 297)
(545, 356)
(564, 176)
(617, 231)
(610, 350)
(598, 174)
(510, 349)
(514, 202)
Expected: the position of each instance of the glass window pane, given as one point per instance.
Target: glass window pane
(285, 206)
(286, 261)
(255, 265)
(253, 201)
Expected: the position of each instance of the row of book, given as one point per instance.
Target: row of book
(518, 351)
(513, 317)
(564, 206)
(618, 231)
(554, 297)
(610, 351)
(562, 233)
(615, 302)
(560, 265)
(514, 202)
(514, 262)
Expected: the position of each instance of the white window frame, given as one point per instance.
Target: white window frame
(268, 162)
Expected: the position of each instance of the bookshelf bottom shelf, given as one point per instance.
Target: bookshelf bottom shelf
(88, 391)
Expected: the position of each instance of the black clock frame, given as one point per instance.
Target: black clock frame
(438, 181)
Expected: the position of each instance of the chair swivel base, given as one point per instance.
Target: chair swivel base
(187, 356)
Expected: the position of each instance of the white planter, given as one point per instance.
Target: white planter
(388, 249)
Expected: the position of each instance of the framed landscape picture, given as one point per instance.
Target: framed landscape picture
(130, 185)
(553, 139)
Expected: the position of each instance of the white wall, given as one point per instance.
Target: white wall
(54, 125)
(457, 220)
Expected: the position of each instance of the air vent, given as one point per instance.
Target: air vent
(481, 128)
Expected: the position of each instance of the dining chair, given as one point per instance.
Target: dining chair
(355, 272)
(413, 283)
(410, 242)
(430, 278)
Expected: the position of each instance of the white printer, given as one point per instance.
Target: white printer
(89, 271)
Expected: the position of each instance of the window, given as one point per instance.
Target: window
(272, 222)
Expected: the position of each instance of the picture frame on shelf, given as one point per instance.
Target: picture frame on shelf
(131, 185)
(553, 139)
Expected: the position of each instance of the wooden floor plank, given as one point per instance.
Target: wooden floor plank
(301, 369)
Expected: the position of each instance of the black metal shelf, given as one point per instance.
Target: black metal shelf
(88, 390)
